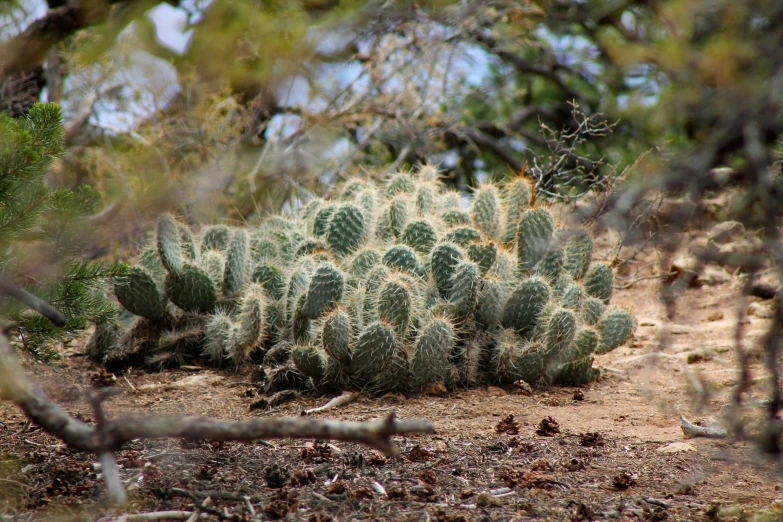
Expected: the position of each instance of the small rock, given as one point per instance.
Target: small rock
(715, 316)
(437, 389)
(760, 310)
(677, 447)
(494, 391)
(685, 268)
(485, 500)
(713, 276)
(726, 231)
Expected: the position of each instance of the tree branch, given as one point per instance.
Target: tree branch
(28, 49)
(112, 434)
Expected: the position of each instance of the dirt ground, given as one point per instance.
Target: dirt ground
(619, 452)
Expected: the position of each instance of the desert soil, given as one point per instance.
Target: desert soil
(619, 452)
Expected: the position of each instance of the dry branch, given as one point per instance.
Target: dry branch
(111, 434)
(691, 430)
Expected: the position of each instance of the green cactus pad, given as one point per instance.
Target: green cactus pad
(298, 282)
(214, 264)
(352, 188)
(169, 246)
(489, 305)
(149, 260)
(483, 254)
(262, 249)
(325, 290)
(525, 305)
(216, 238)
(139, 294)
(486, 211)
(364, 262)
(236, 258)
(274, 322)
(598, 282)
(550, 267)
(420, 236)
(400, 183)
(322, 219)
(374, 346)
(336, 337)
(191, 290)
(430, 360)
(425, 199)
(395, 306)
(398, 216)
(572, 297)
(188, 244)
(465, 285)
(455, 218)
(220, 334)
(585, 342)
(517, 199)
(310, 361)
(615, 327)
(311, 209)
(560, 332)
(251, 324)
(578, 252)
(347, 230)
(404, 259)
(463, 236)
(576, 373)
(271, 278)
(310, 247)
(443, 262)
(534, 234)
(592, 310)
(394, 375)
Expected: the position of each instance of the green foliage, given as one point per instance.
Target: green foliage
(340, 315)
(42, 234)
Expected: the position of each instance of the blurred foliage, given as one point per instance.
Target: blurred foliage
(43, 233)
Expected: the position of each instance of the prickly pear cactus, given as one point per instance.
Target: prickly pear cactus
(389, 286)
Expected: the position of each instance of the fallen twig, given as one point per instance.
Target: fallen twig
(341, 400)
(691, 430)
(111, 434)
(156, 515)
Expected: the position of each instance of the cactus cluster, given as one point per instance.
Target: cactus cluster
(386, 287)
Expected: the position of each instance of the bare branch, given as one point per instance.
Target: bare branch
(28, 49)
(11, 289)
(110, 435)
